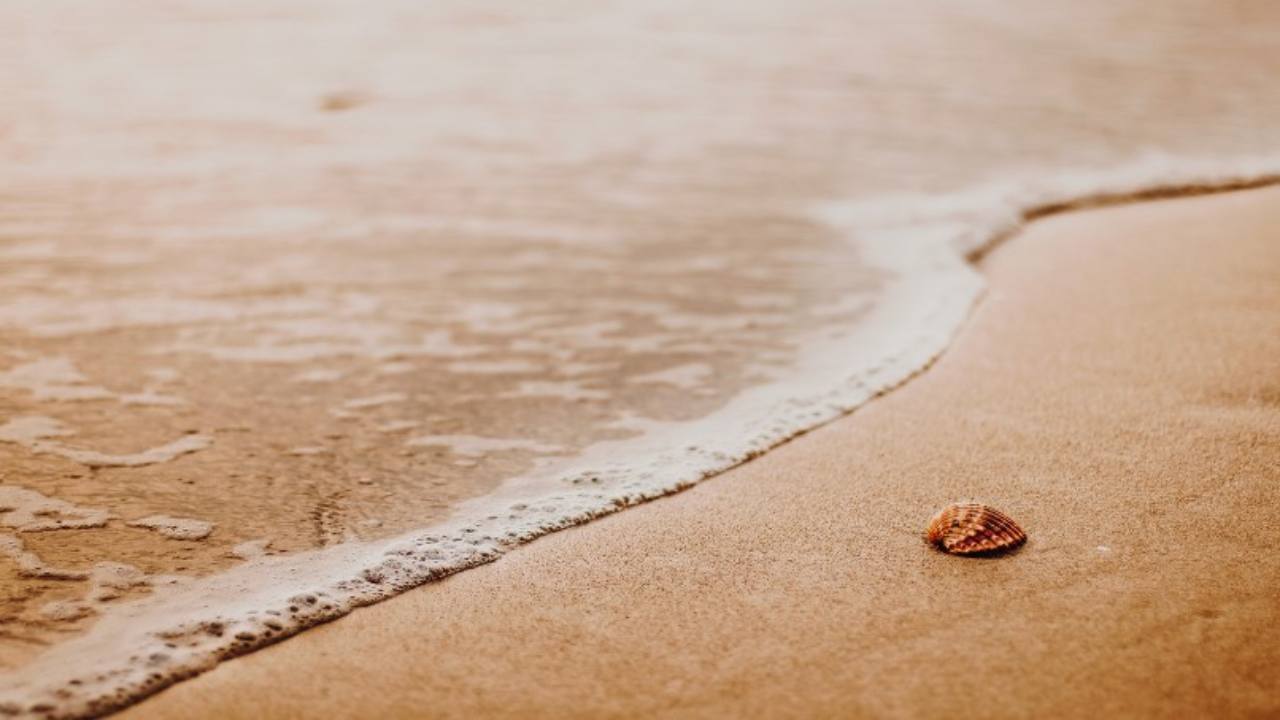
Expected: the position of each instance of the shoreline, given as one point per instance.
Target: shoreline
(195, 626)
(560, 565)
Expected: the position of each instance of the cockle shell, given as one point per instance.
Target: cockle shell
(973, 528)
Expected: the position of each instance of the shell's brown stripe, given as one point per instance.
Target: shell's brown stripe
(1005, 525)
(1002, 529)
(998, 520)
(1008, 526)
(1004, 522)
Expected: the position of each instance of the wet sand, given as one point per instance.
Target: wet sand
(1115, 392)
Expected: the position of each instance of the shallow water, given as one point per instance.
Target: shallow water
(301, 306)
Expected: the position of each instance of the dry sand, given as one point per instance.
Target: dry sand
(1116, 392)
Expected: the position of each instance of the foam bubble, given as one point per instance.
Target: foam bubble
(395, 426)
(65, 610)
(251, 549)
(494, 367)
(374, 401)
(30, 565)
(686, 377)
(176, 528)
(567, 390)
(475, 446)
(52, 379)
(318, 375)
(31, 511)
(151, 456)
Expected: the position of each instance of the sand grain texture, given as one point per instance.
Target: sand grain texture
(1116, 392)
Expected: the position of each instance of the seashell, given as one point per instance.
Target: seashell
(973, 528)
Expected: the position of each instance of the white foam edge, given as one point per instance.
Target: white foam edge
(138, 647)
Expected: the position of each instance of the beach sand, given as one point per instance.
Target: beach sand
(1116, 392)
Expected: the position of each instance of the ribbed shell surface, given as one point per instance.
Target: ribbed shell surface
(973, 528)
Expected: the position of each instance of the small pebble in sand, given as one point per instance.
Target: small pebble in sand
(973, 528)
